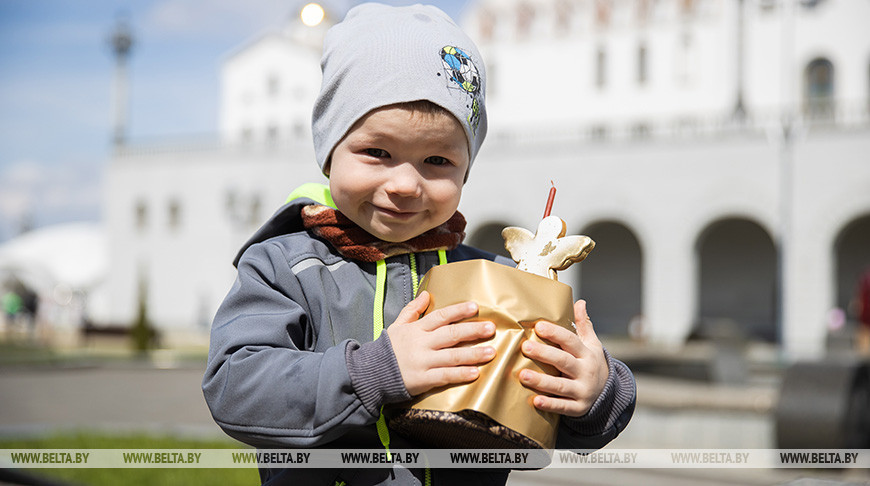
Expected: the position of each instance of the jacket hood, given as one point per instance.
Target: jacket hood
(288, 218)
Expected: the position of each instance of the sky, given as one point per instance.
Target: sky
(56, 70)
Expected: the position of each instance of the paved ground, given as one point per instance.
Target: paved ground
(117, 398)
(673, 413)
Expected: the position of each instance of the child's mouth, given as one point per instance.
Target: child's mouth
(396, 214)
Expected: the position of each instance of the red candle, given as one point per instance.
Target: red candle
(550, 199)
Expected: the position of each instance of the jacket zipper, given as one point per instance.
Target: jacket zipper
(415, 277)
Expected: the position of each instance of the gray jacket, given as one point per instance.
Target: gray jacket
(293, 363)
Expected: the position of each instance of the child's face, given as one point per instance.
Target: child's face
(399, 172)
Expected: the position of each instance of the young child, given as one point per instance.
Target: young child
(322, 328)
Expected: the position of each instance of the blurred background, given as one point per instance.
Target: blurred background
(716, 151)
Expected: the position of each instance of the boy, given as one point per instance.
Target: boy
(322, 328)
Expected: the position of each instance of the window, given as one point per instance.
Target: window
(486, 24)
(687, 59)
(564, 14)
(600, 68)
(687, 6)
(602, 12)
(247, 135)
(272, 134)
(819, 89)
(640, 131)
(525, 17)
(641, 64)
(141, 215)
(767, 5)
(598, 132)
(254, 211)
(811, 3)
(174, 214)
(230, 202)
(644, 10)
(273, 85)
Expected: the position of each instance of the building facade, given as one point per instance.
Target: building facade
(716, 150)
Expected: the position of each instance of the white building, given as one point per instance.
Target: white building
(697, 141)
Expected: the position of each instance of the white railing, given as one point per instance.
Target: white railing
(761, 123)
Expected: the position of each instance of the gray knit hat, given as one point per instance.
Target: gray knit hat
(382, 55)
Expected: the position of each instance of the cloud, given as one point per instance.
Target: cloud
(44, 194)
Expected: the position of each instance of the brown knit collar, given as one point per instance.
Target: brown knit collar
(354, 242)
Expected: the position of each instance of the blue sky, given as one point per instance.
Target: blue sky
(55, 88)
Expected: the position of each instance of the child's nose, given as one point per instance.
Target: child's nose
(404, 181)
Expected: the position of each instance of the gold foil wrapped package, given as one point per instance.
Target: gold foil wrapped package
(495, 411)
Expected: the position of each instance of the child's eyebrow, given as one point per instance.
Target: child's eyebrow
(372, 137)
(377, 137)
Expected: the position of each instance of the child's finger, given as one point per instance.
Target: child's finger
(414, 309)
(584, 324)
(581, 315)
(568, 340)
(462, 356)
(551, 385)
(560, 395)
(448, 336)
(564, 361)
(561, 406)
(450, 376)
(448, 315)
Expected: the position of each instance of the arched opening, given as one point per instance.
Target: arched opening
(819, 89)
(738, 276)
(610, 278)
(852, 253)
(488, 237)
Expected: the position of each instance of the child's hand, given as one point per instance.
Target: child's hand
(578, 356)
(425, 348)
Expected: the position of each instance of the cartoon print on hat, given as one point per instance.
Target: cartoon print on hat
(461, 71)
(460, 68)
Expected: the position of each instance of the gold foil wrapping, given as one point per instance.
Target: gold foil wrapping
(514, 301)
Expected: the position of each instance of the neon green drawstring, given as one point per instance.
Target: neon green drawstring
(380, 288)
(378, 328)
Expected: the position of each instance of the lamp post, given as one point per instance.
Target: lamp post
(121, 42)
(739, 113)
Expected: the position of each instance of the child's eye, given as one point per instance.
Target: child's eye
(437, 160)
(376, 152)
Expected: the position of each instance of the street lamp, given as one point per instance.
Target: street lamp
(121, 42)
